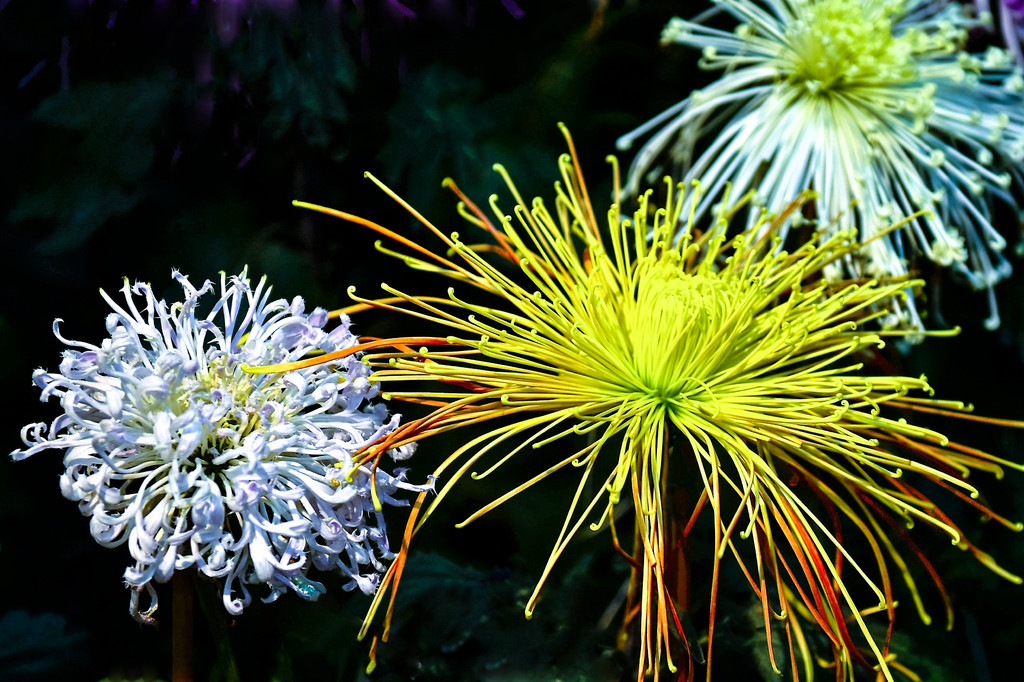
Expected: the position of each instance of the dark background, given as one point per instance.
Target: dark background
(137, 136)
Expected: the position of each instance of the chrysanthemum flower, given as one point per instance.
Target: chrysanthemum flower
(172, 448)
(725, 359)
(871, 103)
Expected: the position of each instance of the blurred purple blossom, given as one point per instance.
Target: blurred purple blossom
(1010, 16)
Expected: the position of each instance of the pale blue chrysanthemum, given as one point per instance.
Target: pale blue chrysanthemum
(172, 448)
(872, 103)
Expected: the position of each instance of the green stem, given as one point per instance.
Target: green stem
(216, 618)
(181, 626)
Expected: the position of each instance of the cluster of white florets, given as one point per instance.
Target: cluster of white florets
(173, 448)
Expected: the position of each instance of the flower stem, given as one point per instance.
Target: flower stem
(208, 597)
(181, 625)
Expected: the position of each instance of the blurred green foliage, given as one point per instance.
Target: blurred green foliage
(35, 645)
(301, 72)
(95, 157)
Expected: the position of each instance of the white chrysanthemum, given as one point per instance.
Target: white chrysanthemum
(171, 447)
(874, 104)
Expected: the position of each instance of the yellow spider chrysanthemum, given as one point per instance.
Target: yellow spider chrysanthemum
(670, 347)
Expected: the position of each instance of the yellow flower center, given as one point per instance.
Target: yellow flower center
(836, 44)
(672, 328)
(240, 420)
(219, 375)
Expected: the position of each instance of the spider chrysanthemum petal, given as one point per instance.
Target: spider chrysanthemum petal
(672, 348)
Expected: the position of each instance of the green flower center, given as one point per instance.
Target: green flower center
(219, 375)
(839, 44)
(239, 421)
(678, 317)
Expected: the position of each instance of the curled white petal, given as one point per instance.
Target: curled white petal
(172, 449)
